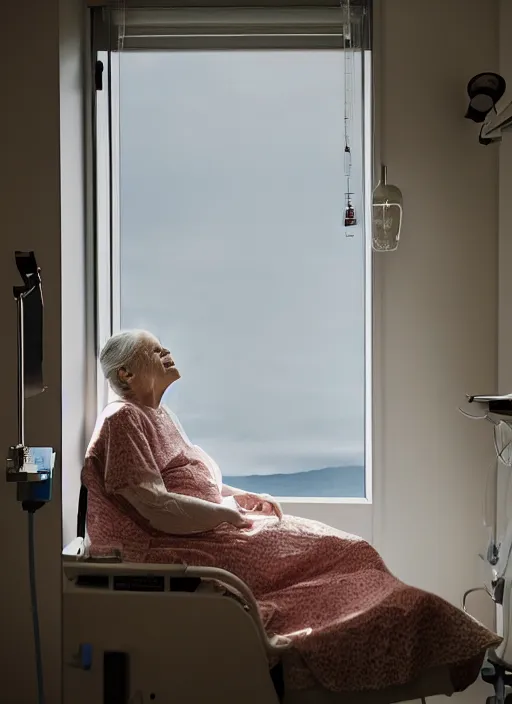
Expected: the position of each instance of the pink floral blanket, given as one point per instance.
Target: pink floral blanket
(353, 624)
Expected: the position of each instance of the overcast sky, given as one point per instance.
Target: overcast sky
(235, 255)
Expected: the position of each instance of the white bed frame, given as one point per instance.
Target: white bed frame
(183, 646)
(174, 646)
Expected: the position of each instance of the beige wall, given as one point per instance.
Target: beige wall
(438, 292)
(34, 171)
(505, 211)
(438, 299)
(30, 218)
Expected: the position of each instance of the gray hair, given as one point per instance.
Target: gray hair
(121, 350)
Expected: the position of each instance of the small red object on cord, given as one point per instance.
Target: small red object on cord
(350, 215)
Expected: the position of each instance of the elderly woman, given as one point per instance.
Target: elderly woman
(156, 497)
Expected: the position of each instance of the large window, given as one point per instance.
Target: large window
(232, 247)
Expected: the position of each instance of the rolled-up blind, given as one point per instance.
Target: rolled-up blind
(209, 25)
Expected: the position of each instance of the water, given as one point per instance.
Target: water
(330, 482)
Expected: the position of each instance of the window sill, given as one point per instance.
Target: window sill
(323, 500)
(354, 516)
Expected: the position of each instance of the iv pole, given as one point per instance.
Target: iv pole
(29, 467)
(19, 467)
(21, 373)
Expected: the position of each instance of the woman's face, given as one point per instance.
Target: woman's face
(151, 371)
(160, 371)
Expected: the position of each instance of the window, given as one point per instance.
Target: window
(230, 182)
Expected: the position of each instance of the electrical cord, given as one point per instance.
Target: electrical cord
(35, 615)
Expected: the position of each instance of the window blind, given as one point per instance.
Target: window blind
(203, 25)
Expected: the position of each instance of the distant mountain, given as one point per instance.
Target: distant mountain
(330, 482)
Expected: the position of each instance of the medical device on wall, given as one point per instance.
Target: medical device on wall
(493, 129)
(485, 90)
(30, 468)
(497, 410)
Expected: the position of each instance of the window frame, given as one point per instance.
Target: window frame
(354, 515)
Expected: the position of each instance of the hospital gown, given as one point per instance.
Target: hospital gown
(354, 626)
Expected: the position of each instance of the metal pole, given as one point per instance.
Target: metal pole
(21, 374)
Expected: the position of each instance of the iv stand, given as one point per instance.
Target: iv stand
(18, 467)
(21, 374)
(30, 468)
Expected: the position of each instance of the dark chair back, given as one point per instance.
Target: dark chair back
(81, 518)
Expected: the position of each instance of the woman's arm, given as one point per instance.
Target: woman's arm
(178, 514)
(231, 491)
(131, 472)
(254, 502)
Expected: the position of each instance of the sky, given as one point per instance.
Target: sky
(233, 250)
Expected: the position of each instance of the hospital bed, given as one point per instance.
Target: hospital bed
(137, 633)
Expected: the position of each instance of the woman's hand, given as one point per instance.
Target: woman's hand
(243, 522)
(275, 505)
(262, 504)
(237, 519)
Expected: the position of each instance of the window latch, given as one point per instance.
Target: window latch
(98, 75)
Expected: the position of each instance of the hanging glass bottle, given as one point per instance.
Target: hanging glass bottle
(387, 208)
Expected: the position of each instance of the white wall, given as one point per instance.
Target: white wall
(438, 297)
(74, 260)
